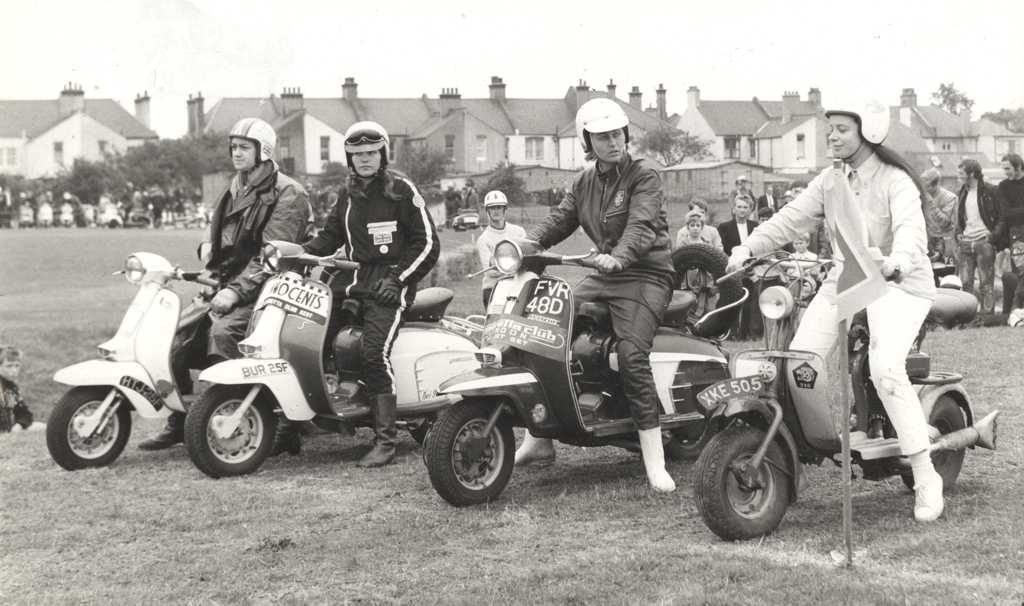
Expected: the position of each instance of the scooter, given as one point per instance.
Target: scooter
(776, 412)
(230, 429)
(550, 366)
(90, 425)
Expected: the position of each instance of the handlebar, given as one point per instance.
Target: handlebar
(197, 277)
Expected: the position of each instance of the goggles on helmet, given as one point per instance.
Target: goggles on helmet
(364, 141)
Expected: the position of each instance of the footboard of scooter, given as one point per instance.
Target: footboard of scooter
(130, 378)
(276, 374)
(518, 385)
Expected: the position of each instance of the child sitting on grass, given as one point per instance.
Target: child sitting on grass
(14, 413)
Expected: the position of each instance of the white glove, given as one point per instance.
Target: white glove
(737, 258)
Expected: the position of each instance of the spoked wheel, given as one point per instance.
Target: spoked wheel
(465, 466)
(246, 448)
(948, 417)
(72, 450)
(737, 506)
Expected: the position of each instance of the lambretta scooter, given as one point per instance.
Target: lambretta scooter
(230, 429)
(780, 409)
(90, 425)
(551, 367)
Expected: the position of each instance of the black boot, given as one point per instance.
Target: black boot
(286, 438)
(173, 433)
(385, 434)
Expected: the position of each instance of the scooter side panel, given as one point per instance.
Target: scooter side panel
(422, 358)
(153, 344)
(814, 390)
(277, 375)
(130, 378)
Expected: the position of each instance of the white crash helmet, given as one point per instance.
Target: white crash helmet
(260, 133)
(873, 118)
(495, 198)
(599, 116)
(952, 282)
(367, 136)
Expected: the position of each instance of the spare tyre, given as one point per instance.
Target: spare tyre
(709, 265)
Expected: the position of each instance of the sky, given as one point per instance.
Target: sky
(730, 50)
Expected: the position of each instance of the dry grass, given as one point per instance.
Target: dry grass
(316, 529)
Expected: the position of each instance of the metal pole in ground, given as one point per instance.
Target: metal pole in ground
(844, 420)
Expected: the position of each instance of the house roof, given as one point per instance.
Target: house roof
(904, 139)
(989, 127)
(774, 108)
(34, 117)
(776, 128)
(942, 123)
(711, 164)
(733, 117)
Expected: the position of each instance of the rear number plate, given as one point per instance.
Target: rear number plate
(710, 397)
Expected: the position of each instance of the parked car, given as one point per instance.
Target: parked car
(466, 219)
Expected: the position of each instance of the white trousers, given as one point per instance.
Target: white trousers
(894, 321)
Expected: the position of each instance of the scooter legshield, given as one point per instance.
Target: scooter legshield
(278, 375)
(130, 378)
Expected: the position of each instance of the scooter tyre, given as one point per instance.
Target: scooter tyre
(58, 429)
(729, 511)
(447, 439)
(197, 423)
(948, 417)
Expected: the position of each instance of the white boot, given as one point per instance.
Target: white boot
(654, 460)
(535, 450)
(928, 504)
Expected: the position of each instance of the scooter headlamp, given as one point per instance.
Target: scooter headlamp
(507, 257)
(134, 269)
(776, 302)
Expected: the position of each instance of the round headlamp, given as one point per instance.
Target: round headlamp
(134, 270)
(507, 257)
(776, 302)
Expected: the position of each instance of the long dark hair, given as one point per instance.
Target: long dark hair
(889, 156)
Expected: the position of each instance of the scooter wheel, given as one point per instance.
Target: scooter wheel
(72, 451)
(731, 510)
(465, 467)
(246, 448)
(948, 417)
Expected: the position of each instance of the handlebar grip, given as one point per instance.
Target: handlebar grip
(198, 278)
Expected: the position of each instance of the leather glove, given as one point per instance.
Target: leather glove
(739, 255)
(389, 291)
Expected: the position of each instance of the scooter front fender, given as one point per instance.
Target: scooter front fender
(930, 394)
(744, 407)
(130, 378)
(518, 385)
(276, 374)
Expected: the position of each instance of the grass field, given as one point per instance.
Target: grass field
(316, 529)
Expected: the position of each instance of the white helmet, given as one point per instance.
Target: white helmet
(873, 118)
(1016, 318)
(367, 136)
(599, 116)
(951, 281)
(259, 132)
(495, 198)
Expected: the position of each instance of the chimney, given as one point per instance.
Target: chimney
(291, 100)
(790, 105)
(582, 93)
(662, 110)
(814, 96)
(450, 99)
(72, 99)
(634, 98)
(693, 97)
(497, 88)
(349, 89)
(611, 88)
(142, 108)
(908, 98)
(196, 115)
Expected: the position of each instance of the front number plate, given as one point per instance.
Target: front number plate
(712, 395)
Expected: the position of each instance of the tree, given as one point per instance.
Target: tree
(504, 178)
(1012, 119)
(671, 146)
(90, 180)
(953, 100)
(424, 165)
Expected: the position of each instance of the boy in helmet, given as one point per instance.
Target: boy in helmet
(382, 222)
(619, 204)
(495, 205)
(260, 204)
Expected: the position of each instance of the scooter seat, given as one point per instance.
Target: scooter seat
(678, 308)
(429, 305)
(953, 307)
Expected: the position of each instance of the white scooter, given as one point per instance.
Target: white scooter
(229, 431)
(90, 425)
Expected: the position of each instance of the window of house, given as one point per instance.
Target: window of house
(732, 147)
(58, 152)
(752, 146)
(1011, 146)
(325, 149)
(449, 147)
(284, 146)
(534, 149)
(801, 146)
(12, 156)
(392, 147)
(481, 148)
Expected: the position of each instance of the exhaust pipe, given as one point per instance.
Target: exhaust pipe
(982, 433)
